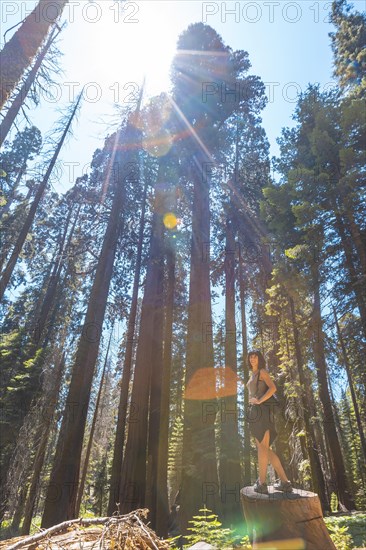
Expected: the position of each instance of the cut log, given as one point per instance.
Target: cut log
(285, 521)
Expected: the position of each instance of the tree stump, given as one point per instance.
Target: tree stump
(285, 521)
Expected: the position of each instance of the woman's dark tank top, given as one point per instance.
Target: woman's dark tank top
(262, 387)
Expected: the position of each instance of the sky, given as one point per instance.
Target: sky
(109, 47)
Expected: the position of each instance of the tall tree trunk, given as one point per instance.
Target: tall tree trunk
(41, 451)
(5, 209)
(351, 385)
(357, 239)
(229, 465)
(340, 481)
(92, 430)
(65, 473)
(133, 474)
(14, 108)
(18, 512)
(353, 446)
(126, 374)
(7, 273)
(199, 474)
(155, 394)
(54, 279)
(162, 502)
(355, 280)
(19, 52)
(245, 372)
(312, 449)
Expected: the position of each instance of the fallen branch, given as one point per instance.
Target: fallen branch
(80, 521)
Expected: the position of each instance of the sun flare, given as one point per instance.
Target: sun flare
(138, 48)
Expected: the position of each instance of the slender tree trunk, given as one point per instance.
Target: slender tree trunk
(126, 375)
(65, 473)
(54, 279)
(360, 463)
(229, 466)
(199, 475)
(155, 394)
(245, 370)
(340, 481)
(317, 475)
(351, 385)
(18, 513)
(41, 451)
(8, 271)
(162, 502)
(5, 209)
(284, 423)
(14, 108)
(19, 52)
(133, 474)
(357, 239)
(92, 430)
(354, 278)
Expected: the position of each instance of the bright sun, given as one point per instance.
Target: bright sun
(133, 43)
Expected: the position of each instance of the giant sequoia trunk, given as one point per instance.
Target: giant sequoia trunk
(126, 375)
(199, 484)
(92, 430)
(65, 473)
(229, 467)
(148, 356)
(155, 395)
(162, 501)
(19, 52)
(340, 481)
(160, 386)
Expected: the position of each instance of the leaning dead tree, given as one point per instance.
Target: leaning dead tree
(19, 52)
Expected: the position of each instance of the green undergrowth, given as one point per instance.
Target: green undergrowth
(206, 527)
(347, 531)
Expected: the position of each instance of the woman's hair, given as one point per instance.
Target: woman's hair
(261, 361)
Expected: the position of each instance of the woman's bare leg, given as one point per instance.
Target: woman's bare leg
(276, 463)
(263, 451)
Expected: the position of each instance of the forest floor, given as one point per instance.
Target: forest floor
(127, 532)
(130, 532)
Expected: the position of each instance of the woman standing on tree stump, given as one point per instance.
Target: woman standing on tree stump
(261, 417)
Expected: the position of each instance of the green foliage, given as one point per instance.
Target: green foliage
(175, 456)
(334, 502)
(340, 537)
(349, 47)
(347, 530)
(206, 527)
